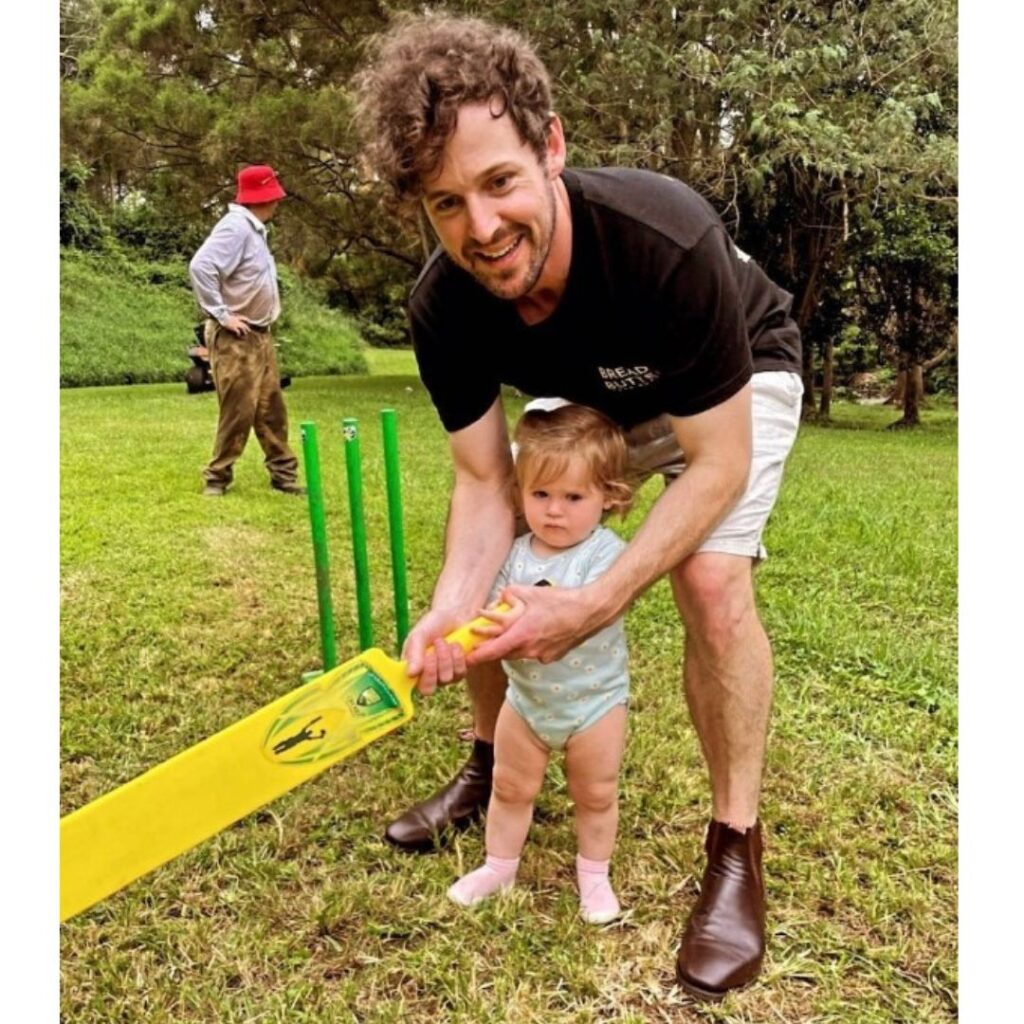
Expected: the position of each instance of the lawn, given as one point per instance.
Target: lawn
(182, 614)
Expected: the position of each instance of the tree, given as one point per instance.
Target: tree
(913, 259)
(799, 121)
(79, 27)
(172, 98)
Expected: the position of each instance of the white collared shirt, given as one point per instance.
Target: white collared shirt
(233, 272)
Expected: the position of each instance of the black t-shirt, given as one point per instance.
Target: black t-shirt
(661, 313)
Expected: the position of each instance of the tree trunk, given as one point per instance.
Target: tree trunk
(899, 389)
(807, 403)
(912, 377)
(910, 360)
(807, 304)
(825, 406)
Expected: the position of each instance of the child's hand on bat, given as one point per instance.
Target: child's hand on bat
(502, 613)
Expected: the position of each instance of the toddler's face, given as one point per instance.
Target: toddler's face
(564, 511)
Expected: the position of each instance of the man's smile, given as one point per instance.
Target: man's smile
(498, 255)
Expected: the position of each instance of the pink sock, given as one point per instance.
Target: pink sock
(496, 874)
(598, 904)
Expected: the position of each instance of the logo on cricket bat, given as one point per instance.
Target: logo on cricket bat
(334, 718)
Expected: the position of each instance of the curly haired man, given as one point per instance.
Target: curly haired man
(618, 289)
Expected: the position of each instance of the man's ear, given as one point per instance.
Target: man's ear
(555, 147)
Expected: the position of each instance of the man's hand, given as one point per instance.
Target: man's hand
(237, 326)
(551, 622)
(428, 656)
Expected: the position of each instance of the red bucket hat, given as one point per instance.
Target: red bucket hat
(258, 184)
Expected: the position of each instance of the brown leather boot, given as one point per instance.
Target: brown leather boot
(723, 945)
(428, 825)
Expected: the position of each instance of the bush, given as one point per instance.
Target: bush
(154, 235)
(81, 224)
(373, 291)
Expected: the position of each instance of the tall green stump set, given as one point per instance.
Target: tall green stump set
(357, 517)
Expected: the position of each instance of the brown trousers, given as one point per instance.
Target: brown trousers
(249, 394)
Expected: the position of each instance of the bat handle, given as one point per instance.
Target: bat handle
(464, 635)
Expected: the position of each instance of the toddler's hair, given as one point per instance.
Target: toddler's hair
(547, 440)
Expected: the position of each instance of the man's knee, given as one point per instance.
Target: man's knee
(715, 596)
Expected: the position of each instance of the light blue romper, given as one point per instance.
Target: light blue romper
(566, 696)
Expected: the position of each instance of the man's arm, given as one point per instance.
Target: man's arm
(717, 446)
(481, 524)
(218, 257)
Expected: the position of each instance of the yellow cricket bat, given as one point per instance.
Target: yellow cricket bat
(135, 828)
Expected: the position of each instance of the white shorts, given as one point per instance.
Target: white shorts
(653, 448)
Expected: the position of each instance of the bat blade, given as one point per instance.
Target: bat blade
(130, 831)
(135, 828)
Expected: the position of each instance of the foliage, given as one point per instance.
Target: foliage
(79, 27)
(799, 121)
(913, 282)
(126, 320)
(149, 231)
(314, 339)
(181, 615)
(81, 224)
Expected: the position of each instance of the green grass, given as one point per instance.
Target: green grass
(390, 362)
(127, 321)
(181, 614)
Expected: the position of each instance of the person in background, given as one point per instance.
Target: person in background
(234, 279)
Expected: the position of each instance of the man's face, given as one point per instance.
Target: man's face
(264, 211)
(492, 203)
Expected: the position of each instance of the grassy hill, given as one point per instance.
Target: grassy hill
(127, 322)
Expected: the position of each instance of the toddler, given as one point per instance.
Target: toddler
(571, 466)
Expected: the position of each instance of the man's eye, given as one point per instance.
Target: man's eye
(501, 182)
(444, 205)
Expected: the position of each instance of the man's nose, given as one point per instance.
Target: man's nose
(484, 222)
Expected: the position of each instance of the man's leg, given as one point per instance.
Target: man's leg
(486, 684)
(727, 674)
(461, 802)
(235, 368)
(271, 420)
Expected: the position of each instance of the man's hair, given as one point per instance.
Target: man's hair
(422, 70)
(548, 441)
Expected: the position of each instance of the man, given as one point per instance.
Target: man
(619, 290)
(234, 278)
